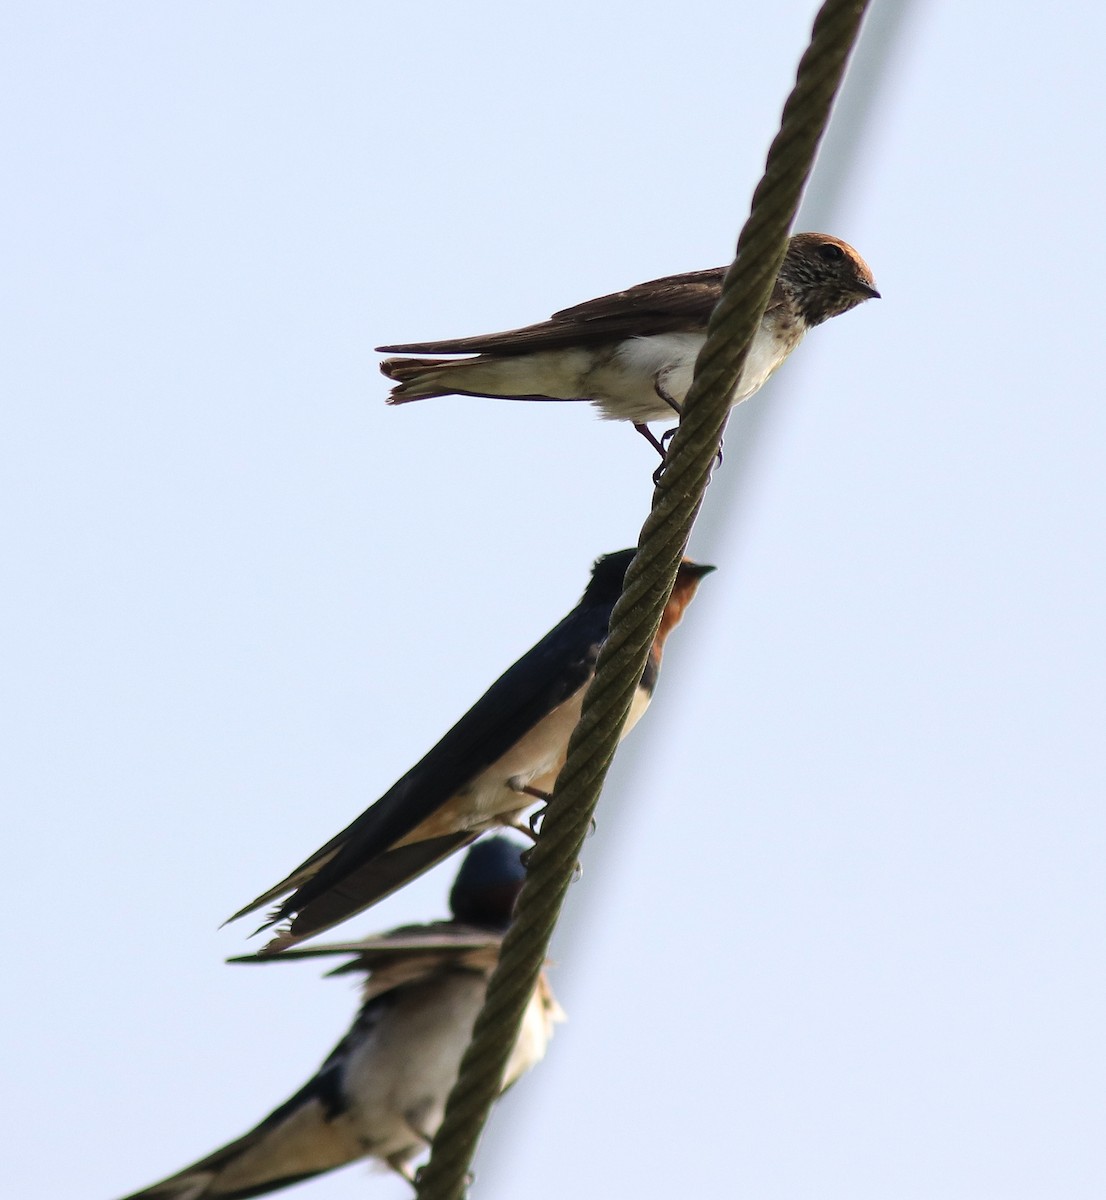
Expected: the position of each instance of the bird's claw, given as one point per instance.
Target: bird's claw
(666, 437)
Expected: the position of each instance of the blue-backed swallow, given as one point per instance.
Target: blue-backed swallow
(382, 1091)
(501, 756)
(632, 353)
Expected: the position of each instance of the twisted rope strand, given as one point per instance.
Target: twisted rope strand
(649, 581)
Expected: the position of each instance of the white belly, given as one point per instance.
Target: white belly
(534, 761)
(399, 1078)
(626, 386)
(621, 379)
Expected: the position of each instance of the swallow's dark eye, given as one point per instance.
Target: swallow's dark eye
(830, 252)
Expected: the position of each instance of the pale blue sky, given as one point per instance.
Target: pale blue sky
(841, 929)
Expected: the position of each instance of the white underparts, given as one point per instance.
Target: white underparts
(627, 381)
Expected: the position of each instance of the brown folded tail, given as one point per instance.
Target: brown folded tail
(411, 375)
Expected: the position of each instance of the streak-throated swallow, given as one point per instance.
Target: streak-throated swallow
(500, 758)
(382, 1091)
(633, 353)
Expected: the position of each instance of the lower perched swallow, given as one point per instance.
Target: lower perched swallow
(503, 755)
(633, 353)
(382, 1091)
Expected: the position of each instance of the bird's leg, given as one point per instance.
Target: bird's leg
(532, 828)
(649, 436)
(526, 789)
(669, 434)
(538, 817)
(537, 793)
(403, 1160)
(665, 395)
(401, 1164)
(525, 828)
(414, 1178)
(661, 446)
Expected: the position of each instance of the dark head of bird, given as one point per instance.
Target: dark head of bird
(609, 574)
(824, 277)
(488, 883)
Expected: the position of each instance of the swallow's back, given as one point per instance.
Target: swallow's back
(675, 303)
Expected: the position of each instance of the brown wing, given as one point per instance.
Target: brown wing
(675, 303)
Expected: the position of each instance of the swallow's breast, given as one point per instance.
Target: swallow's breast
(777, 336)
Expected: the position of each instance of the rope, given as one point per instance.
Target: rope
(649, 580)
